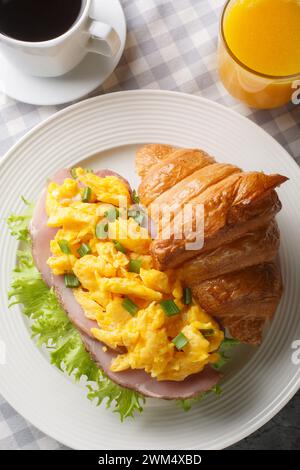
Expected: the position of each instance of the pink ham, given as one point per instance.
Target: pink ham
(137, 380)
(143, 383)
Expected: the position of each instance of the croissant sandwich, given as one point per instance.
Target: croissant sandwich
(136, 303)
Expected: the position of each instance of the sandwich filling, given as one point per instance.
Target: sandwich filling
(102, 248)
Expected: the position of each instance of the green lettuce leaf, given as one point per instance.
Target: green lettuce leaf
(225, 352)
(18, 224)
(187, 404)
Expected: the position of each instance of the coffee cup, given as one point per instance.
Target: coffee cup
(55, 40)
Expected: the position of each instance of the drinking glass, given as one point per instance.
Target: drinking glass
(253, 88)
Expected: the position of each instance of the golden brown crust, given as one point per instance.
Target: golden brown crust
(235, 293)
(168, 172)
(220, 227)
(150, 155)
(191, 187)
(243, 300)
(254, 248)
(247, 330)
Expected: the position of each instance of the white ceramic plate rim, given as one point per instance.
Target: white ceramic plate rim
(288, 391)
(82, 103)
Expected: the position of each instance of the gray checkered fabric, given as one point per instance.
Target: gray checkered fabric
(171, 44)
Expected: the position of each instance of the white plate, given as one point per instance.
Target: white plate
(85, 78)
(259, 382)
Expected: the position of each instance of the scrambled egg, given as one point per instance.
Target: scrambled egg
(106, 251)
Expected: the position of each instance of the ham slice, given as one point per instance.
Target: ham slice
(143, 383)
(137, 380)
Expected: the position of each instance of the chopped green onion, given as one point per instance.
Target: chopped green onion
(87, 193)
(73, 172)
(102, 230)
(137, 215)
(71, 280)
(84, 250)
(135, 197)
(169, 307)
(180, 341)
(187, 296)
(209, 332)
(119, 246)
(112, 214)
(135, 266)
(64, 246)
(89, 170)
(130, 306)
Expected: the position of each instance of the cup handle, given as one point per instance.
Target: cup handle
(103, 39)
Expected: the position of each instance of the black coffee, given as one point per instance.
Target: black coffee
(37, 20)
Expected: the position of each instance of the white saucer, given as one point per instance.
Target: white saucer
(85, 78)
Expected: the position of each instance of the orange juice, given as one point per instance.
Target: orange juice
(259, 53)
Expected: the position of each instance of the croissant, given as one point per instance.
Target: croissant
(233, 274)
(173, 169)
(149, 155)
(256, 246)
(245, 297)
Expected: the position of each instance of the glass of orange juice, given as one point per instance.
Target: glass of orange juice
(259, 51)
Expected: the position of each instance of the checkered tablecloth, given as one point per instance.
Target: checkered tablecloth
(171, 44)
